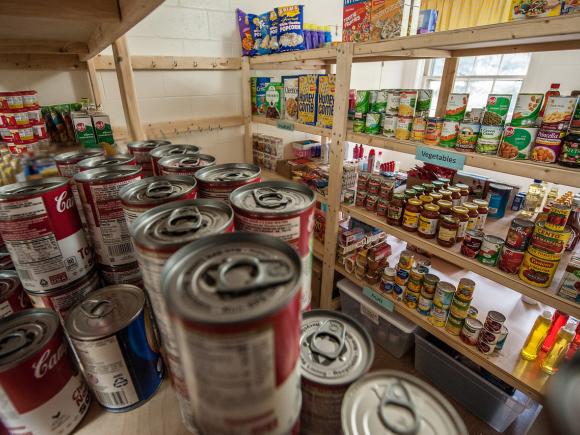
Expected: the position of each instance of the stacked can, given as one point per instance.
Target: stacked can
(103, 161)
(428, 288)
(460, 304)
(141, 149)
(441, 303)
(99, 191)
(156, 235)
(407, 104)
(389, 121)
(471, 330)
(184, 165)
(219, 181)
(282, 209)
(516, 243)
(413, 288)
(170, 150)
(452, 119)
(402, 272)
(557, 116)
(490, 134)
(12, 296)
(43, 234)
(22, 126)
(490, 334)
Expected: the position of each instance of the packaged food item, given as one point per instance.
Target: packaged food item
(273, 31)
(356, 20)
(517, 142)
(424, 97)
(389, 125)
(570, 152)
(358, 126)
(490, 249)
(380, 105)
(547, 146)
(245, 33)
(496, 109)
(363, 102)
(519, 233)
(258, 89)
(418, 128)
(527, 109)
(373, 123)
(403, 130)
(407, 102)
(569, 286)
(456, 107)
(489, 139)
(290, 97)
(325, 104)
(260, 29)
(510, 260)
(307, 99)
(274, 92)
(389, 19)
(537, 271)
(290, 28)
(393, 100)
(433, 131)
(449, 132)
(522, 9)
(467, 137)
(558, 112)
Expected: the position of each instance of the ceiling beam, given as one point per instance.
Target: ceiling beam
(41, 46)
(82, 10)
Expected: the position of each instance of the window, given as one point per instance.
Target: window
(479, 76)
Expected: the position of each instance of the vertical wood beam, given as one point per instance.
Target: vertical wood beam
(94, 81)
(127, 87)
(447, 82)
(247, 109)
(336, 160)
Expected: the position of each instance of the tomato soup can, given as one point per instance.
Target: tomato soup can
(185, 165)
(35, 353)
(510, 260)
(141, 149)
(220, 181)
(490, 249)
(170, 150)
(12, 296)
(114, 339)
(104, 161)
(129, 273)
(232, 296)
(43, 233)
(470, 331)
(519, 234)
(99, 191)
(282, 209)
(328, 372)
(537, 271)
(150, 192)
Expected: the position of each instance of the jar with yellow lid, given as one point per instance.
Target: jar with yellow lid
(436, 196)
(445, 208)
(464, 192)
(426, 199)
(447, 195)
(455, 195)
(472, 214)
(411, 214)
(428, 221)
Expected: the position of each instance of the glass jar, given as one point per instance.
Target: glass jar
(445, 182)
(436, 196)
(461, 214)
(425, 199)
(483, 211)
(428, 187)
(464, 192)
(445, 208)
(411, 215)
(448, 227)
(472, 214)
(420, 190)
(395, 210)
(410, 193)
(570, 153)
(447, 195)
(428, 221)
(438, 185)
(455, 195)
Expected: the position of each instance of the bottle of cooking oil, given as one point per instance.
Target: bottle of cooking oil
(558, 351)
(552, 195)
(536, 337)
(534, 198)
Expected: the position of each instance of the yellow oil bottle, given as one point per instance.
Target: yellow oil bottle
(534, 341)
(558, 351)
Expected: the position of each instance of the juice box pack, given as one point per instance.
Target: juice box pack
(307, 99)
(104, 132)
(84, 130)
(356, 20)
(325, 106)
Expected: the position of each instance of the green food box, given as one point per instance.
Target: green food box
(104, 132)
(274, 92)
(527, 109)
(84, 130)
(517, 142)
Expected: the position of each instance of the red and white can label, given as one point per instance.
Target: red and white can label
(44, 237)
(17, 301)
(143, 158)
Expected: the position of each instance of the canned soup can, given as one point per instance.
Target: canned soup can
(185, 165)
(220, 181)
(283, 209)
(43, 233)
(150, 192)
(42, 390)
(141, 149)
(168, 151)
(104, 161)
(335, 351)
(12, 296)
(99, 191)
(232, 297)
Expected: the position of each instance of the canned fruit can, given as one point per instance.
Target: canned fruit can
(558, 112)
(443, 294)
(537, 271)
(35, 352)
(114, 338)
(12, 296)
(465, 289)
(403, 130)
(389, 125)
(547, 146)
(430, 282)
(547, 244)
(517, 142)
(489, 139)
(496, 109)
(373, 123)
(467, 137)
(433, 131)
(490, 249)
(527, 109)
(501, 339)
(104, 161)
(470, 331)
(454, 325)
(456, 107)
(143, 195)
(519, 234)
(184, 165)
(326, 373)
(459, 309)
(43, 233)
(221, 180)
(411, 299)
(438, 316)
(170, 150)
(141, 149)
(129, 273)
(510, 260)
(99, 191)
(424, 305)
(257, 288)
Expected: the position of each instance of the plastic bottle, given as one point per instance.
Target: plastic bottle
(575, 344)
(327, 36)
(371, 160)
(531, 347)
(534, 199)
(379, 162)
(554, 91)
(556, 355)
(321, 36)
(559, 319)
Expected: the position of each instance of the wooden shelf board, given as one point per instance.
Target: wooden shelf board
(311, 129)
(452, 255)
(525, 168)
(305, 56)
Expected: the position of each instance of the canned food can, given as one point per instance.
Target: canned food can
(12, 296)
(547, 146)
(470, 331)
(401, 277)
(459, 308)
(472, 312)
(328, 372)
(489, 139)
(62, 299)
(519, 234)
(449, 132)
(424, 305)
(99, 191)
(220, 181)
(36, 353)
(407, 102)
(43, 233)
(418, 129)
(358, 125)
(510, 260)
(403, 130)
(517, 142)
(537, 271)
(454, 324)
(502, 338)
(443, 294)
(393, 102)
(411, 298)
(170, 150)
(494, 321)
(527, 109)
(486, 342)
(406, 260)
(389, 125)
(129, 273)
(283, 209)
(114, 338)
(433, 131)
(150, 192)
(104, 161)
(184, 165)
(557, 217)
(558, 112)
(490, 249)
(467, 137)
(547, 244)
(253, 281)
(456, 107)
(438, 316)
(465, 289)
(141, 149)
(430, 282)
(472, 243)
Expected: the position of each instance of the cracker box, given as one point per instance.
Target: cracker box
(389, 19)
(290, 97)
(325, 106)
(307, 99)
(356, 20)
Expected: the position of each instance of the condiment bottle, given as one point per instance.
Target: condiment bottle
(574, 224)
(552, 92)
(575, 344)
(556, 355)
(531, 347)
(559, 319)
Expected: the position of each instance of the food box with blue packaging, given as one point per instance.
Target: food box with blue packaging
(258, 90)
(307, 99)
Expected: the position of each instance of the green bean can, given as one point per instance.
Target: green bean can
(496, 109)
(424, 97)
(380, 105)
(373, 123)
(489, 139)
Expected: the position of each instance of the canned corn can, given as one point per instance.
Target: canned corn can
(220, 181)
(141, 151)
(170, 150)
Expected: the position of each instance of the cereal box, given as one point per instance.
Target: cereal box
(389, 18)
(522, 9)
(274, 100)
(290, 97)
(356, 19)
(258, 89)
(307, 99)
(325, 106)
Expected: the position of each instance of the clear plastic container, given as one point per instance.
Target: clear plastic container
(391, 331)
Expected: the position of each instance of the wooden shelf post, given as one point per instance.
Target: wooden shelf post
(247, 109)
(447, 82)
(127, 88)
(94, 82)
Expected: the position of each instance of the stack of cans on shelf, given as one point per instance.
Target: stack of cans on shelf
(491, 332)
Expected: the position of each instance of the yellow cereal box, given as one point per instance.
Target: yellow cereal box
(307, 98)
(522, 9)
(325, 106)
(389, 18)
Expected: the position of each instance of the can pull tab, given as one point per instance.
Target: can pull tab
(159, 189)
(242, 274)
(336, 331)
(269, 198)
(232, 176)
(15, 341)
(95, 308)
(396, 395)
(189, 161)
(110, 162)
(184, 219)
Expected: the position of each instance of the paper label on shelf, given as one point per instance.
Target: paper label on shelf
(440, 158)
(369, 314)
(285, 125)
(381, 300)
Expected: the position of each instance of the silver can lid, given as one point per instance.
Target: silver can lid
(157, 190)
(228, 173)
(106, 161)
(177, 223)
(147, 144)
(334, 348)
(104, 312)
(77, 156)
(393, 402)
(272, 197)
(25, 333)
(174, 150)
(107, 173)
(9, 282)
(231, 278)
(27, 189)
(187, 161)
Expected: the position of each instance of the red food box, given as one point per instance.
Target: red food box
(356, 20)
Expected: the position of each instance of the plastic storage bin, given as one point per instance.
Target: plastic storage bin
(391, 331)
(485, 400)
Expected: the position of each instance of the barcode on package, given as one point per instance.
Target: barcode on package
(115, 399)
(123, 249)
